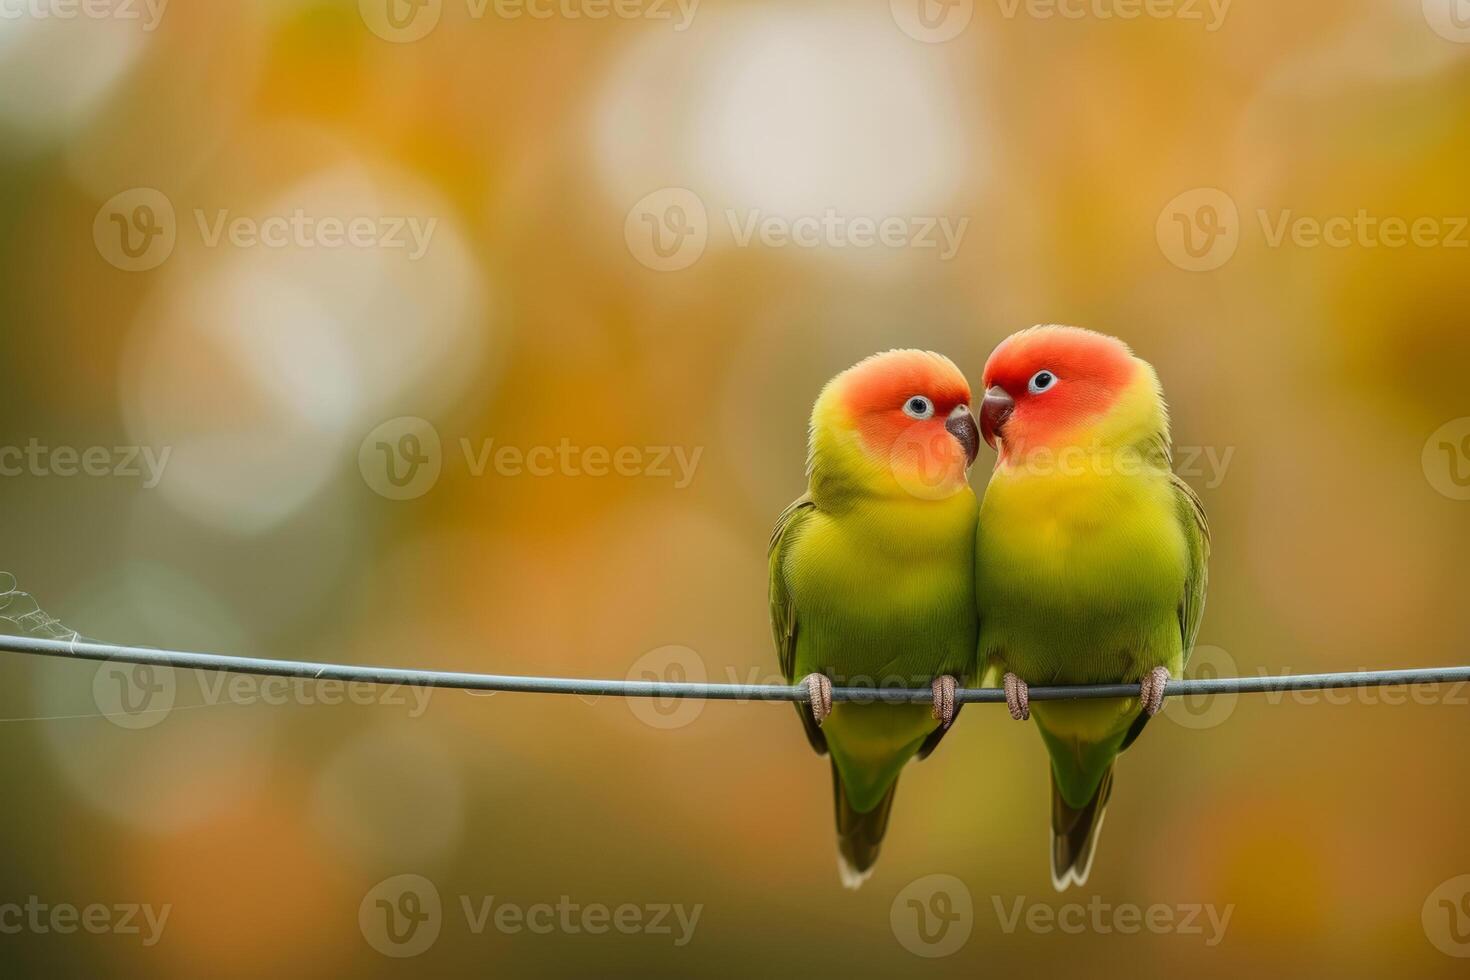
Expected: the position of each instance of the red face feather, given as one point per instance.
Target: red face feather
(1059, 378)
(881, 386)
(911, 408)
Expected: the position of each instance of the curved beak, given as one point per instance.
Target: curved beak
(961, 425)
(994, 410)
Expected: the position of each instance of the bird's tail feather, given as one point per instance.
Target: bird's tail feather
(1074, 833)
(859, 835)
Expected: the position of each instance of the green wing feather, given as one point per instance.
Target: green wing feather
(1074, 829)
(1196, 528)
(783, 608)
(1197, 536)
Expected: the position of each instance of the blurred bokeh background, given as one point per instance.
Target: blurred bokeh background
(208, 260)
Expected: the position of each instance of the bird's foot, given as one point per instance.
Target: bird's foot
(819, 696)
(1151, 690)
(1018, 697)
(944, 703)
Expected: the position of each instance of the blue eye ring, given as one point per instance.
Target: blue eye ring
(918, 407)
(1041, 382)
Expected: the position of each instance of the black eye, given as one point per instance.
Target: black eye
(1041, 381)
(918, 407)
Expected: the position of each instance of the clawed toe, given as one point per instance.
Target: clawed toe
(1018, 697)
(819, 696)
(944, 700)
(1151, 690)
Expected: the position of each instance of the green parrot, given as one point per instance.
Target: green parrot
(1090, 558)
(872, 578)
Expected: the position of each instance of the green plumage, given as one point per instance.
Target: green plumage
(872, 576)
(873, 591)
(1087, 578)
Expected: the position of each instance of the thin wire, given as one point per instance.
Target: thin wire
(79, 650)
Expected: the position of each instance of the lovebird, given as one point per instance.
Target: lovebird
(1090, 559)
(872, 578)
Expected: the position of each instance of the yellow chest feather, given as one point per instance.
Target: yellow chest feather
(1088, 534)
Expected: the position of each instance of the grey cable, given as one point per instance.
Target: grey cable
(79, 650)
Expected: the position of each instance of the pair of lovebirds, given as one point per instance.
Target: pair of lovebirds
(1085, 564)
